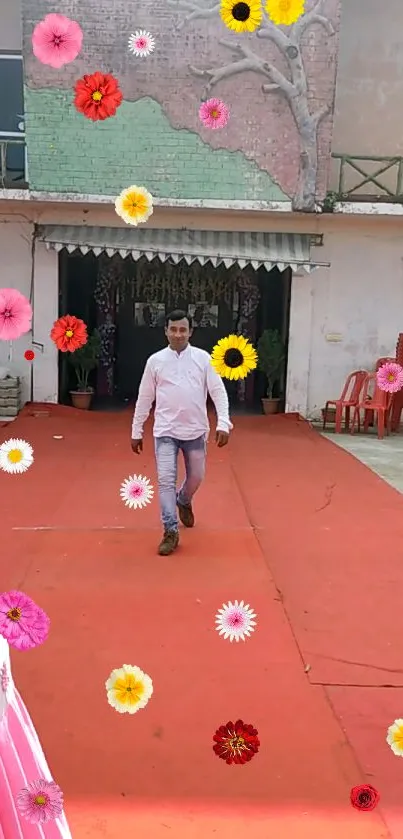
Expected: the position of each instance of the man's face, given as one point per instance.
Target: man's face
(178, 333)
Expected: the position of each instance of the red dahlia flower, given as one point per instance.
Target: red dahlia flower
(69, 333)
(98, 96)
(236, 742)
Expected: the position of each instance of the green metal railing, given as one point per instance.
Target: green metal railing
(13, 173)
(383, 184)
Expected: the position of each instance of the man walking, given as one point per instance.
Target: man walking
(179, 379)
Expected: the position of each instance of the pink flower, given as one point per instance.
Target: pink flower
(57, 40)
(141, 43)
(40, 802)
(22, 623)
(214, 113)
(390, 377)
(15, 314)
(136, 491)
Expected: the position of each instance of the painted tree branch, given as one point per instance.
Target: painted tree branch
(195, 12)
(294, 88)
(249, 61)
(313, 16)
(321, 113)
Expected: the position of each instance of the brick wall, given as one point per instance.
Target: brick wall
(156, 138)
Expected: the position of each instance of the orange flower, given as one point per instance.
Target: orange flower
(98, 96)
(69, 333)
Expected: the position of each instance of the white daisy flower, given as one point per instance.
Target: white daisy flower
(235, 620)
(136, 491)
(16, 456)
(128, 689)
(395, 737)
(141, 43)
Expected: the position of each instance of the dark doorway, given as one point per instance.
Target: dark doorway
(273, 313)
(128, 302)
(77, 281)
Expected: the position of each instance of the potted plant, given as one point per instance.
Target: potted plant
(84, 361)
(271, 357)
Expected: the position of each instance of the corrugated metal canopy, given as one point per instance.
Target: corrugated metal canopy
(216, 247)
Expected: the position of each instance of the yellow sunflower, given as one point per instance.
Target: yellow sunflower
(128, 689)
(241, 16)
(234, 357)
(285, 12)
(134, 205)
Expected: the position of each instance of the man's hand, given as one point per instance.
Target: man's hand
(137, 446)
(221, 438)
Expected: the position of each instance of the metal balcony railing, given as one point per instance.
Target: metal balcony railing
(13, 163)
(367, 178)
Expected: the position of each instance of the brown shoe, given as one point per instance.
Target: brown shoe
(186, 514)
(170, 542)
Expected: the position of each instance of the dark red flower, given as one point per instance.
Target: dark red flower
(236, 742)
(29, 355)
(364, 797)
(98, 96)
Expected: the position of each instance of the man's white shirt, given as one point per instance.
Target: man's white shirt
(179, 383)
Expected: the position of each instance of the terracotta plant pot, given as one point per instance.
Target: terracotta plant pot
(81, 399)
(270, 406)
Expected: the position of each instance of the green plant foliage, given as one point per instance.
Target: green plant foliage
(271, 357)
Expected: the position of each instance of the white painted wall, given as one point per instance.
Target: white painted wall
(360, 297)
(11, 25)
(369, 90)
(46, 311)
(368, 117)
(15, 272)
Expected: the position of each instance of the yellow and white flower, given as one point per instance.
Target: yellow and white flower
(136, 491)
(134, 205)
(128, 689)
(395, 737)
(285, 12)
(16, 456)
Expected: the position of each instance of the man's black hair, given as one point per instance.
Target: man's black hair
(179, 314)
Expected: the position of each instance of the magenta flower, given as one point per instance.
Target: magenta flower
(390, 377)
(40, 802)
(22, 623)
(214, 113)
(57, 40)
(15, 314)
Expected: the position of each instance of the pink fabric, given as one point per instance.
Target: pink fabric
(21, 762)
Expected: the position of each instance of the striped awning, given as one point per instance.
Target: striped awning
(206, 246)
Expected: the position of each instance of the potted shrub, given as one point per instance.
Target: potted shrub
(84, 361)
(271, 357)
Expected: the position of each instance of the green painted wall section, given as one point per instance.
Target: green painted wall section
(68, 153)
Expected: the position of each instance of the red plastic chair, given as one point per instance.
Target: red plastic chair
(378, 405)
(397, 398)
(348, 399)
(382, 361)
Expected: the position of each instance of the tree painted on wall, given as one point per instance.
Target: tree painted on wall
(294, 87)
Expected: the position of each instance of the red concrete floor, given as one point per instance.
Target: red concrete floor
(286, 521)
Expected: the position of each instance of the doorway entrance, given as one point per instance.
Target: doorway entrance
(128, 301)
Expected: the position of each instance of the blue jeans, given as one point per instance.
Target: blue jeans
(166, 454)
